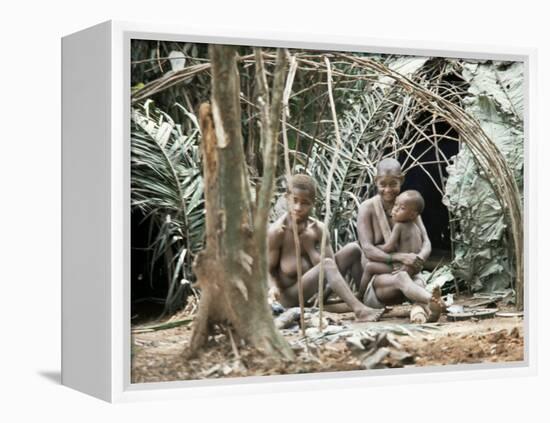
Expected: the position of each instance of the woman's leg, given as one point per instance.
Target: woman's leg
(348, 259)
(336, 282)
(397, 287)
(372, 268)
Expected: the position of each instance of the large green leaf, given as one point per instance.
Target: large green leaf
(495, 99)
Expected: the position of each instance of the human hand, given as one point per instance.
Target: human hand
(418, 264)
(408, 259)
(273, 295)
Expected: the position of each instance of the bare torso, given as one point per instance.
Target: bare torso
(410, 238)
(377, 231)
(371, 236)
(285, 272)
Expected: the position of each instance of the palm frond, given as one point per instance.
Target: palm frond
(166, 185)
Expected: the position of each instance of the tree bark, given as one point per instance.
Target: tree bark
(230, 270)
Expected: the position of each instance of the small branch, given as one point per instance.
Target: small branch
(233, 345)
(423, 164)
(429, 138)
(312, 138)
(415, 160)
(166, 58)
(270, 129)
(167, 81)
(158, 57)
(436, 143)
(417, 163)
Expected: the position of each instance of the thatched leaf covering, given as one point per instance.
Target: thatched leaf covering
(495, 99)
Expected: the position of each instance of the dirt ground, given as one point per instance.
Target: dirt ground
(158, 355)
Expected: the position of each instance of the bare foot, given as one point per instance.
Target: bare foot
(436, 305)
(368, 314)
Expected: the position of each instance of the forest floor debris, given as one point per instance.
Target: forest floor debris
(342, 345)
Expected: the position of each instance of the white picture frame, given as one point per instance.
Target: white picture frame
(96, 214)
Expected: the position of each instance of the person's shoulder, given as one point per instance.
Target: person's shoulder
(277, 228)
(367, 205)
(312, 222)
(316, 225)
(399, 225)
(405, 226)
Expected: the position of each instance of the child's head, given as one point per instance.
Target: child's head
(389, 178)
(408, 205)
(301, 194)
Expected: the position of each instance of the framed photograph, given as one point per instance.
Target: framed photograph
(250, 212)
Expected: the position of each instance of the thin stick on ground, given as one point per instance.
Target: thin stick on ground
(233, 345)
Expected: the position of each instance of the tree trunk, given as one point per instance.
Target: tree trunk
(230, 270)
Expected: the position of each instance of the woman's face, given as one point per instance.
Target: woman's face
(389, 187)
(300, 204)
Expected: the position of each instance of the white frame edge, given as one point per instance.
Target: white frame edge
(86, 238)
(118, 281)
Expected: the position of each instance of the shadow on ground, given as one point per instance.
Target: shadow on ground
(51, 375)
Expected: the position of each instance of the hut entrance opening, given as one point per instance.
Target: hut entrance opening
(429, 179)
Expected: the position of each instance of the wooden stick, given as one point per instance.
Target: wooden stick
(270, 111)
(335, 158)
(297, 249)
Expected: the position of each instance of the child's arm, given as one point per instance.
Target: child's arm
(393, 243)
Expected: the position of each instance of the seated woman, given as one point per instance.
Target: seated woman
(374, 226)
(282, 254)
